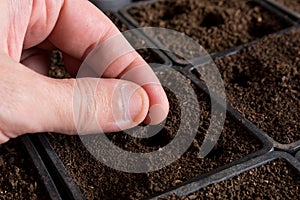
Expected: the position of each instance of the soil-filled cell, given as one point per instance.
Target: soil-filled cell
(276, 180)
(18, 177)
(263, 82)
(216, 25)
(98, 181)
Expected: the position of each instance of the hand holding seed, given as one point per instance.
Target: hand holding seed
(32, 102)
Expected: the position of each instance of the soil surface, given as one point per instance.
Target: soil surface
(263, 82)
(292, 4)
(98, 181)
(18, 177)
(276, 180)
(216, 25)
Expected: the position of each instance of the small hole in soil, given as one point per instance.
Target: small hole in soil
(212, 19)
(161, 139)
(259, 30)
(241, 80)
(172, 11)
(216, 153)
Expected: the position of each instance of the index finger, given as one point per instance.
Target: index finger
(81, 27)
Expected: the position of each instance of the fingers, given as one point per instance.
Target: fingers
(35, 103)
(144, 76)
(78, 33)
(125, 64)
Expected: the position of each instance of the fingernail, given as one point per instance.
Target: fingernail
(129, 108)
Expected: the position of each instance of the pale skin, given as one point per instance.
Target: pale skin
(31, 102)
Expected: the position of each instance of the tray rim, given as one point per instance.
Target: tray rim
(233, 171)
(40, 167)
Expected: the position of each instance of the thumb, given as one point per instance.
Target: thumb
(33, 103)
(92, 105)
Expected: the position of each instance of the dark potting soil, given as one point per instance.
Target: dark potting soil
(18, 177)
(57, 67)
(263, 83)
(98, 181)
(292, 4)
(216, 25)
(276, 180)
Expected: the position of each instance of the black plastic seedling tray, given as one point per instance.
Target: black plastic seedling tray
(292, 147)
(30, 161)
(66, 187)
(263, 153)
(298, 156)
(110, 5)
(187, 190)
(40, 166)
(71, 190)
(289, 11)
(125, 12)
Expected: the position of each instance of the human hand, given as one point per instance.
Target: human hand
(33, 102)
